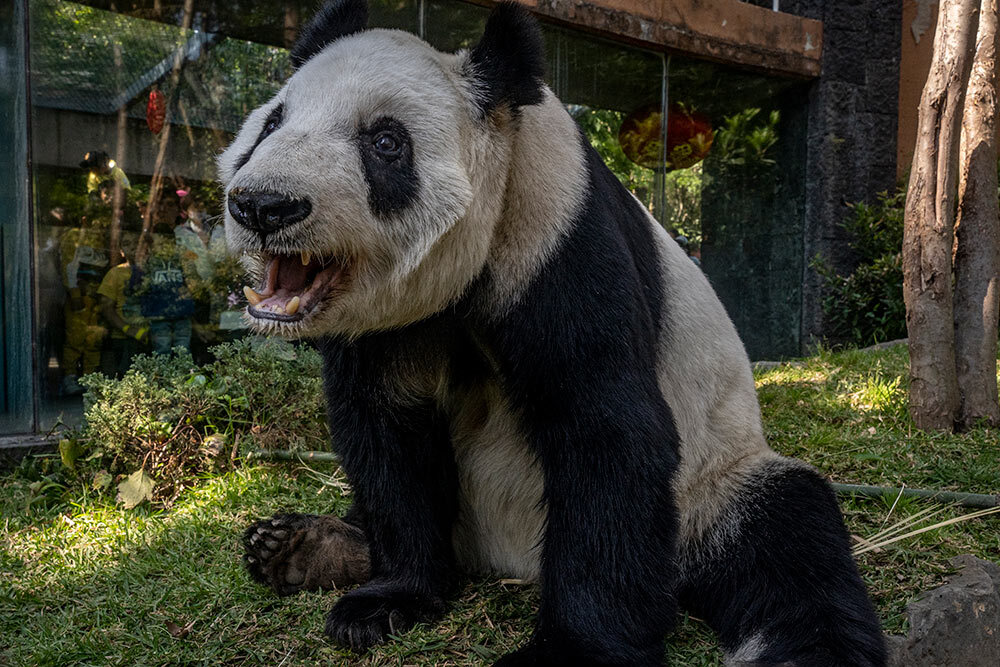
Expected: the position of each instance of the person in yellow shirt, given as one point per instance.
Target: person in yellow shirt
(100, 168)
(123, 314)
(84, 260)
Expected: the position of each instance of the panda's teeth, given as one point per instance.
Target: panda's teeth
(292, 306)
(251, 295)
(306, 257)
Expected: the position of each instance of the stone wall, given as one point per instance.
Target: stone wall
(852, 128)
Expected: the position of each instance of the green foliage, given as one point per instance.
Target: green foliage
(744, 139)
(175, 419)
(682, 202)
(867, 306)
(877, 229)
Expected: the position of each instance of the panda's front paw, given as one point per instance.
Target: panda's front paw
(368, 615)
(300, 552)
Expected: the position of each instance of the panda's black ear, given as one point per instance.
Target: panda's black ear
(335, 19)
(508, 64)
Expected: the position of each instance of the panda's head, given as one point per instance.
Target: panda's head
(364, 195)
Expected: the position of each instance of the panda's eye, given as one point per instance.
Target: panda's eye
(387, 145)
(273, 121)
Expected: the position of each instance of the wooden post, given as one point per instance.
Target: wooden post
(928, 228)
(977, 248)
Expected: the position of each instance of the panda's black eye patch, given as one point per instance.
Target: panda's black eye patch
(387, 157)
(271, 124)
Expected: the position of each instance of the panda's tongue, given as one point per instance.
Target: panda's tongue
(292, 287)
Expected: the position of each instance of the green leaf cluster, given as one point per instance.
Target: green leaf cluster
(175, 419)
(866, 306)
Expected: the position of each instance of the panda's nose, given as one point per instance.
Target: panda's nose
(266, 212)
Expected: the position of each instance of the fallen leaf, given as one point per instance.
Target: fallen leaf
(102, 479)
(176, 631)
(69, 452)
(135, 489)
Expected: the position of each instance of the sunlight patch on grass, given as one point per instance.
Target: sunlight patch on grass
(878, 393)
(792, 374)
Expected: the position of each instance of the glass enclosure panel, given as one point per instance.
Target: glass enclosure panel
(16, 378)
(742, 207)
(131, 102)
(129, 110)
(449, 26)
(603, 85)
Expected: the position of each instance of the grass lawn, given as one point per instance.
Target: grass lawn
(83, 581)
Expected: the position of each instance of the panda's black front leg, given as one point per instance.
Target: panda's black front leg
(607, 445)
(608, 572)
(398, 457)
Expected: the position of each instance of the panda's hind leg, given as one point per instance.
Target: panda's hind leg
(300, 552)
(775, 577)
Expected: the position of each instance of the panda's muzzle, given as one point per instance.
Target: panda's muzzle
(293, 286)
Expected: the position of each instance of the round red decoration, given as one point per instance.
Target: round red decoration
(689, 137)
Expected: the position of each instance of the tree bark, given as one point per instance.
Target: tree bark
(977, 249)
(929, 221)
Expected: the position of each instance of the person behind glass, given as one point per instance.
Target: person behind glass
(161, 280)
(83, 256)
(204, 247)
(100, 169)
(122, 311)
(694, 252)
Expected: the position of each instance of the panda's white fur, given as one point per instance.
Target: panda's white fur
(498, 196)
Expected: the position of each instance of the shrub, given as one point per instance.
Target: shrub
(174, 419)
(867, 306)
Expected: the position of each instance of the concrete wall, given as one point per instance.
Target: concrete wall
(61, 137)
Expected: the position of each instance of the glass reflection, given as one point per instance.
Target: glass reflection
(132, 101)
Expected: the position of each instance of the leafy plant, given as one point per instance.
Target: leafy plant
(173, 419)
(867, 306)
(743, 139)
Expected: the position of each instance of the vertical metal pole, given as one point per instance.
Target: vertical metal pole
(28, 191)
(660, 175)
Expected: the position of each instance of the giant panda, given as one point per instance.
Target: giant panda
(526, 377)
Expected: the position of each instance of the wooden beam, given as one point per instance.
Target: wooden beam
(725, 31)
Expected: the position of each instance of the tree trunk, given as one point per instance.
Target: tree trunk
(291, 24)
(156, 182)
(977, 254)
(928, 228)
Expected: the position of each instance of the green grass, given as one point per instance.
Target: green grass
(85, 582)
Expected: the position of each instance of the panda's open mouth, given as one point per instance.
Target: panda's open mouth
(293, 286)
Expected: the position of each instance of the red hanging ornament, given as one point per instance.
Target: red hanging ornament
(689, 137)
(156, 111)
